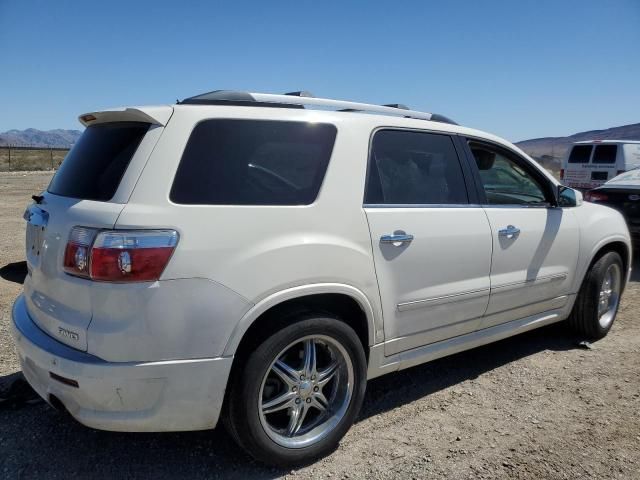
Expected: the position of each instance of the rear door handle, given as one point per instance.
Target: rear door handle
(509, 232)
(399, 238)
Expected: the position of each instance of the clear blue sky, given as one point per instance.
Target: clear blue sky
(520, 69)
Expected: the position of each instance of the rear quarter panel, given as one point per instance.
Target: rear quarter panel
(257, 251)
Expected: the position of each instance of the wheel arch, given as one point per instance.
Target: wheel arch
(619, 245)
(345, 301)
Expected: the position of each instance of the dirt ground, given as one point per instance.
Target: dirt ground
(534, 406)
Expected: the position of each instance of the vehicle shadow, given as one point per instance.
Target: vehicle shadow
(37, 441)
(14, 272)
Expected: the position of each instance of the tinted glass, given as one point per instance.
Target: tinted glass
(92, 170)
(605, 154)
(414, 168)
(253, 162)
(504, 180)
(580, 154)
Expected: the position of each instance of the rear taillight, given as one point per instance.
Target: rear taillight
(132, 256)
(119, 255)
(76, 254)
(595, 197)
(561, 173)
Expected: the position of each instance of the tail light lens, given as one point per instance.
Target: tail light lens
(120, 255)
(562, 174)
(594, 197)
(76, 253)
(135, 256)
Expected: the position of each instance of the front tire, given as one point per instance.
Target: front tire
(298, 392)
(599, 297)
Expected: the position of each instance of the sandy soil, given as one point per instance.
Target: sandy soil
(534, 406)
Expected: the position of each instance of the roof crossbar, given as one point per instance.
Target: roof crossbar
(297, 100)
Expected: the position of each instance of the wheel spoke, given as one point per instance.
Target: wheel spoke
(309, 358)
(287, 374)
(320, 401)
(325, 375)
(314, 373)
(298, 413)
(281, 402)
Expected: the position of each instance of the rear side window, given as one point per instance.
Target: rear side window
(580, 154)
(92, 170)
(414, 168)
(605, 154)
(253, 162)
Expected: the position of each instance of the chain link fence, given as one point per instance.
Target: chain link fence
(21, 158)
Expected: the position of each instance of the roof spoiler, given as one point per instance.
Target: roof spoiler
(157, 115)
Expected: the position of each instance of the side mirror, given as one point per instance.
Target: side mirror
(568, 197)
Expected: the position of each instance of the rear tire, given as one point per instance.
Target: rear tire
(599, 297)
(297, 394)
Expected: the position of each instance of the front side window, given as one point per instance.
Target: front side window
(414, 168)
(253, 162)
(504, 180)
(580, 154)
(605, 154)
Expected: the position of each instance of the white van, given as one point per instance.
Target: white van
(590, 163)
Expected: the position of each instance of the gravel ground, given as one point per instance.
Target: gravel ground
(534, 406)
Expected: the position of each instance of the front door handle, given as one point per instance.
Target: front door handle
(509, 232)
(398, 239)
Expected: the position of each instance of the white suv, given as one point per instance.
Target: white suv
(258, 257)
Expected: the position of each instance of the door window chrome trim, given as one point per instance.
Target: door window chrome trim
(421, 205)
(518, 205)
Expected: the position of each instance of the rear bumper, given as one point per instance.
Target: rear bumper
(169, 395)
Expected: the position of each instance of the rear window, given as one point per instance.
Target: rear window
(580, 154)
(253, 162)
(605, 154)
(414, 168)
(92, 170)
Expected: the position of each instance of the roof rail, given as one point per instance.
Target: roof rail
(297, 100)
(302, 93)
(396, 105)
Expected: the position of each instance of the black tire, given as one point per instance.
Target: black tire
(584, 318)
(242, 416)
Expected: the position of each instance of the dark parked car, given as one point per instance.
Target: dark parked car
(623, 194)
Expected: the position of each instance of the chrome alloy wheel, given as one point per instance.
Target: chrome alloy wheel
(609, 295)
(306, 391)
